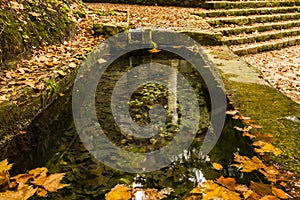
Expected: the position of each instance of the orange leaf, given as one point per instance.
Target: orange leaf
(279, 193)
(230, 183)
(41, 192)
(52, 183)
(154, 50)
(23, 178)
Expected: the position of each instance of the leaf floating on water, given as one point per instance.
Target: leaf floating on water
(154, 50)
(119, 192)
(246, 164)
(217, 166)
(52, 183)
(211, 190)
(229, 183)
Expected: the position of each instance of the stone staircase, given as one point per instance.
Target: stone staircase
(254, 26)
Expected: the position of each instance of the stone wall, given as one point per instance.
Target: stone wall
(187, 3)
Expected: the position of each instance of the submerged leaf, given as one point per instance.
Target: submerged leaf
(119, 192)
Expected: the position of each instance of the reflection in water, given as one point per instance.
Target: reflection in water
(62, 150)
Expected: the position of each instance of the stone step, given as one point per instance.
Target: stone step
(247, 12)
(260, 37)
(253, 19)
(247, 4)
(265, 46)
(236, 30)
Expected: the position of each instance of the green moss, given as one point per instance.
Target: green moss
(270, 108)
(37, 24)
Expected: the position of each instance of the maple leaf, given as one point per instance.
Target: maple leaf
(119, 192)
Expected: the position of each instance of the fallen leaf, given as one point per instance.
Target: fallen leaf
(269, 197)
(266, 147)
(52, 182)
(229, 183)
(279, 193)
(60, 72)
(72, 65)
(261, 188)
(4, 174)
(154, 50)
(41, 192)
(23, 178)
(38, 171)
(119, 192)
(232, 112)
(217, 166)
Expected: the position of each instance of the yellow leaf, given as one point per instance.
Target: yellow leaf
(4, 174)
(4, 166)
(279, 193)
(266, 147)
(212, 190)
(217, 166)
(119, 192)
(247, 164)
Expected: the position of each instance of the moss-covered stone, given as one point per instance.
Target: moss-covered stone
(247, 4)
(268, 107)
(188, 3)
(253, 19)
(267, 46)
(30, 25)
(110, 29)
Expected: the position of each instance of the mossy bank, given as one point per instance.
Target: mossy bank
(26, 25)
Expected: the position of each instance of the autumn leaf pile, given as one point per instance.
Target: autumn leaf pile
(281, 68)
(24, 186)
